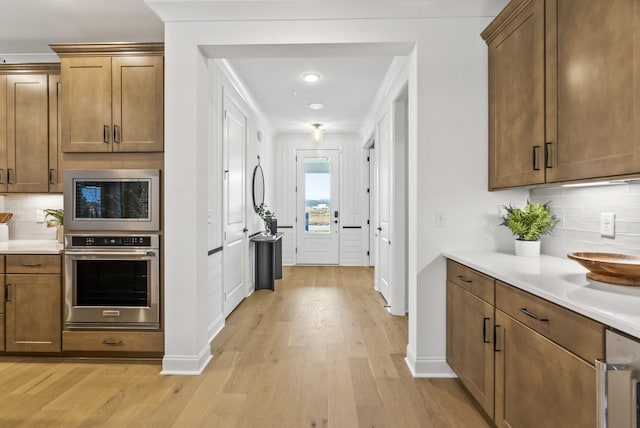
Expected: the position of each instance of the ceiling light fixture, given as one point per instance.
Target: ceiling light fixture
(311, 77)
(316, 106)
(317, 132)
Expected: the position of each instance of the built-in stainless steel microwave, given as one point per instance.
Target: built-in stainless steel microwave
(124, 200)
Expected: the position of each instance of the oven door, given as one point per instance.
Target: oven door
(107, 289)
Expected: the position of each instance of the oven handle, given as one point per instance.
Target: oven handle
(134, 253)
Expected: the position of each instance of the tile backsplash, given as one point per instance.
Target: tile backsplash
(23, 223)
(579, 209)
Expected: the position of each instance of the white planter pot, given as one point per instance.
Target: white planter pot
(527, 248)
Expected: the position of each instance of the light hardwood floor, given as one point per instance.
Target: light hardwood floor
(320, 351)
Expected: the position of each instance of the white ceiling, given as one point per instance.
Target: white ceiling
(347, 87)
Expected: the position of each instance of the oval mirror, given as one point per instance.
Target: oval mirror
(258, 187)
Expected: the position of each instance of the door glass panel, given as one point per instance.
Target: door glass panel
(317, 196)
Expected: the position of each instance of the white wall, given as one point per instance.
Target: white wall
(579, 209)
(23, 207)
(447, 168)
(351, 190)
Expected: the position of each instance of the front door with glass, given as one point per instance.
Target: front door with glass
(318, 207)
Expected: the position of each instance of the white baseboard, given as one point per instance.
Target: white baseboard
(215, 327)
(186, 365)
(427, 367)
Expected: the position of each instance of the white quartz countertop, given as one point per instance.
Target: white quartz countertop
(561, 281)
(31, 247)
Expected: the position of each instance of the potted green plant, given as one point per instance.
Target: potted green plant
(528, 224)
(267, 216)
(54, 217)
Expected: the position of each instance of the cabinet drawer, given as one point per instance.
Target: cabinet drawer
(113, 341)
(28, 263)
(580, 335)
(471, 280)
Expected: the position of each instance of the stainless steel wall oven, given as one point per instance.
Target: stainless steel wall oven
(112, 281)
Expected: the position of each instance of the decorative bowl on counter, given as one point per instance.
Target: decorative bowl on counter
(620, 269)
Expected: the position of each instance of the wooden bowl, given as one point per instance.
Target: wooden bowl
(620, 269)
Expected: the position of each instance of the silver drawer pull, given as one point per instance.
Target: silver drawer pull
(112, 342)
(463, 279)
(31, 264)
(532, 315)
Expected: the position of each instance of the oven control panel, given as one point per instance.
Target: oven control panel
(111, 241)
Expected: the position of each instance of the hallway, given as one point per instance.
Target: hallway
(320, 351)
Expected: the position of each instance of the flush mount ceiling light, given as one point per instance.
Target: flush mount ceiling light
(311, 77)
(316, 106)
(317, 132)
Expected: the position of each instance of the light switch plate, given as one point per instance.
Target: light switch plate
(608, 225)
(39, 216)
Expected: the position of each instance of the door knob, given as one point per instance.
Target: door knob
(379, 229)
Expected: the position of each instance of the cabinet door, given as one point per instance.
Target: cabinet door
(3, 133)
(138, 106)
(516, 100)
(538, 383)
(470, 343)
(56, 168)
(593, 88)
(86, 104)
(27, 133)
(33, 313)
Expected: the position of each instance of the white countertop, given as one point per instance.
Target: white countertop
(561, 281)
(31, 247)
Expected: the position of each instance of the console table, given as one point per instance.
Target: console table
(268, 255)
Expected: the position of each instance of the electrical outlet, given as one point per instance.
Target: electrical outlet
(608, 225)
(39, 216)
(441, 220)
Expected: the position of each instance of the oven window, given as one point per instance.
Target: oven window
(112, 199)
(112, 283)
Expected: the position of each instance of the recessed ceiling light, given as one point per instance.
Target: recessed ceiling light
(316, 106)
(311, 77)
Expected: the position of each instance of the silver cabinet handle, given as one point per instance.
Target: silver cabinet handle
(532, 315)
(116, 134)
(105, 134)
(10, 176)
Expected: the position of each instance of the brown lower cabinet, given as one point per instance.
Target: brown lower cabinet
(33, 307)
(538, 383)
(542, 353)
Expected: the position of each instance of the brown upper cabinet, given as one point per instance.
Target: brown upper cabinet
(112, 97)
(564, 92)
(27, 162)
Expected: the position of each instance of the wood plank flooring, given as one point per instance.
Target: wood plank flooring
(320, 351)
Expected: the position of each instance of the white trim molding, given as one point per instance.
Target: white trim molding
(186, 365)
(428, 367)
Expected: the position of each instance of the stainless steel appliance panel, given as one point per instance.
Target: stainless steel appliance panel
(618, 380)
(112, 281)
(125, 200)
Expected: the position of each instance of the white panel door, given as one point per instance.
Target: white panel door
(383, 265)
(318, 207)
(234, 142)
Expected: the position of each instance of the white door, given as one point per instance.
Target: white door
(318, 207)
(373, 215)
(383, 253)
(234, 142)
